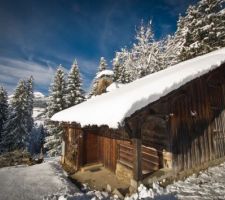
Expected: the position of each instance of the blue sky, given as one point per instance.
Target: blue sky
(38, 35)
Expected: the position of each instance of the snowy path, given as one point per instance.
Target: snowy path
(33, 182)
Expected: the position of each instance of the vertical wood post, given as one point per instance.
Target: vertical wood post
(137, 169)
(80, 155)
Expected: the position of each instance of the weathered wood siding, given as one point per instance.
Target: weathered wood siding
(150, 157)
(99, 149)
(90, 148)
(186, 127)
(125, 153)
(150, 160)
(72, 139)
(197, 121)
(108, 152)
(181, 130)
(150, 124)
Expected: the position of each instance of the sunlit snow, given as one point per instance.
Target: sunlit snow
(113, 107)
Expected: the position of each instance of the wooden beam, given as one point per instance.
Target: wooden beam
(137, 169)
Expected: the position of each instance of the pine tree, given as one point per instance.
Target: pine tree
(102, 64)
(145, 52)
(57, 102)
(30, 102)
(204, 28)
(171, 47)
(3, 110)
(124, 70)
(143, 58)
(74, 92)
(117, 68)
(18, 126)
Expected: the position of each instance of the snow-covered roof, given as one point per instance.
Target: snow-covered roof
(106, 72)
(114, 86)
(112, 108)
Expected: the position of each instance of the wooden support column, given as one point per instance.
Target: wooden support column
(137, 168)
(80, 149)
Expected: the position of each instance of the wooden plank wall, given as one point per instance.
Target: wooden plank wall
(90, 148)
(150, 158)
(197, 121)
(107, 152)
(125, 153)
(72, 139)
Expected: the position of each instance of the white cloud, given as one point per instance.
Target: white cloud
(12, 70)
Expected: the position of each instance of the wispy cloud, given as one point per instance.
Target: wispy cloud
(12, 70)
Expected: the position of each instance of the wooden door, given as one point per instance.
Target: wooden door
(107, 152)
(90, 148)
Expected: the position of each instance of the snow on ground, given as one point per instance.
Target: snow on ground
(45, 181)
(124, 101)
(34, 182)
(37, 111)
(208, 185)
(49, 182)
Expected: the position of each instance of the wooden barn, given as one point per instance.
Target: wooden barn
(173, 119)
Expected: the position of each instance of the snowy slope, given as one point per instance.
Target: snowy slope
(40, 104)
(113, 107)
(38, 95)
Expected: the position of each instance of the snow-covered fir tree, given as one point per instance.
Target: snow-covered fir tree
(204, 28)
(143, 58)
(171, 49)
(56, 103)
(117, 67)
(74, 91)
(18, 125)
(57, 99)
(145, 52)
(123, 72)
(30, 102)
(3, 110)
(102, 64)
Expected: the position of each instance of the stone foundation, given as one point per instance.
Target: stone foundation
(167, 160)
(123, 173)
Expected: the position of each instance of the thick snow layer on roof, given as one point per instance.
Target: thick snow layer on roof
(114, 86)
(106, 72)
(113, 107)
